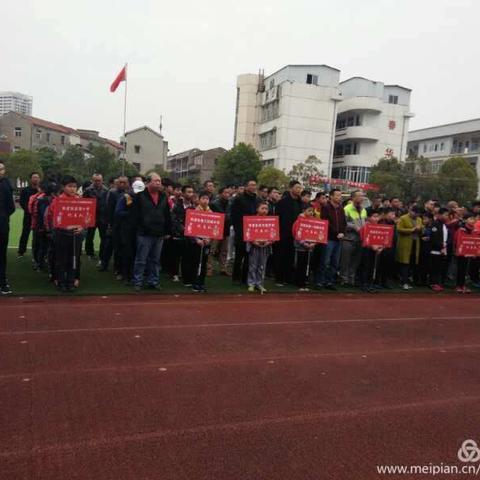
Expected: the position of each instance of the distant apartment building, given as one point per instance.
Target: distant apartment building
(194, 165)
(372, 123)
(15, 102)
(460, 139)
(26, 132)
(289, 115)
(92, 138)
(146, 149)
(303, 110)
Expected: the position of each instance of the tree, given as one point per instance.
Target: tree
(73, 163)
(49, 162)
(238, 165)
(388, 174)
(458, 181)
(273, 177)
(102, 160)
(21, 164)
(305, 172)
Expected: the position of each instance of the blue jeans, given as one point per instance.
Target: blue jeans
(329, 263)
(147, 260)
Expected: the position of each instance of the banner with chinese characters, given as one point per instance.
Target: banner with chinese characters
(378, 236)
(261, 229)
(311, 230)
(204, 224)
(78, 212)
(468, 245)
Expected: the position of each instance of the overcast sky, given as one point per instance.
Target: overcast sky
(184, 57)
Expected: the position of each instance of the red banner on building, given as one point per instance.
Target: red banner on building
(378, 236)
(468, 245)
(311, 230)
(317, 179)
(204, 224)
(261, 229)
(78, 212)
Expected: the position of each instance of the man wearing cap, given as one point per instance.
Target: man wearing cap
(98, 191)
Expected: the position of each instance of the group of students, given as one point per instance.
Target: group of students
(141, 225)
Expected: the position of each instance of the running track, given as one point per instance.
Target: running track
(235, 387)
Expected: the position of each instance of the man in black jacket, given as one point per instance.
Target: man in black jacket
(98, 191)
(7, 207)
(25, 195)
(288, 209)
(244, 204)
(220, 247)
(152, 215)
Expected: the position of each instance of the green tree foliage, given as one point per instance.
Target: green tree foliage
(388, 175)
(50, 162)
(21, 164)
(273, 177)
(73, 163)
(458, 181)
(238, 165)
(101, 160)
(305, 171)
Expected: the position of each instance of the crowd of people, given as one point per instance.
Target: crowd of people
(141, 227)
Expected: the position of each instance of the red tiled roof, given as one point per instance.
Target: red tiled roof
(50, 125)
(113, 143)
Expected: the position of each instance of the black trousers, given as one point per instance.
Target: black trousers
(4, 231)
(194, 256)
(386, 267)
(89, 247)
(287, 259)
(437, 267)
(22, 246)
(128, 242)
(113, 246)
(178, 254)
(301, 264)
(367, 266)
(462, 265)
(41, 248)
(67, 246)
(240, 264)
(474, 270)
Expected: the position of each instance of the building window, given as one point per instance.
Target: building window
(270, 162)
(436, 147)
(424, 148)
(393, 99)
(270, 111)
(16, 148)
(38, 134)
(47, 135)
(137, 148)
(312, 79)
(442, 146)
(18, 131)
(268, 139)
(62, 139)
(272, 83)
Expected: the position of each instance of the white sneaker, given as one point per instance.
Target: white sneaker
(175, 278)
(406, 286)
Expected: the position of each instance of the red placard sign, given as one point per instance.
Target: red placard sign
(312, 230)
(378, 236)
(261, 229)
(204, 224)
(78, 212)
(468, 245)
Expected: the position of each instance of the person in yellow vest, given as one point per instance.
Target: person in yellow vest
(356, 217)
(409, 230)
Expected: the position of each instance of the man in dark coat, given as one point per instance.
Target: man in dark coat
(25, 195)
(7, 207)
(244, 204)
(288, 209)
(153, 221)
(98, 191)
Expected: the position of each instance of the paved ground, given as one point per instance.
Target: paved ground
(235, 387)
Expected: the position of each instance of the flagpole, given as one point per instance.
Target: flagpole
(125, 122)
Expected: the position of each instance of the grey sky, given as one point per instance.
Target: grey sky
(184, 57)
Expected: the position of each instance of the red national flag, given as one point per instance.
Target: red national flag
(121, 77)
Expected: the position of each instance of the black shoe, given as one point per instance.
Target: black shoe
(197, 288)
(332, 288)
(318, 286)
(5, 290)
(155, 287)
(138, 288)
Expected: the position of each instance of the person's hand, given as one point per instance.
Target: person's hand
(340, 236)
(199, 242)
(444, 251)
(166, 237)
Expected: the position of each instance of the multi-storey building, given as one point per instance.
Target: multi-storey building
(372, 123)
(289, 115)
(442, 142)
(92, 138)
(195, 164)
(15, 102)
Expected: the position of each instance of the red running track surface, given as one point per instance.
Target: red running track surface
(236, 387)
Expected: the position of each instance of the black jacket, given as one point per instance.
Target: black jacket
(7, 205)
(152, 219)
(101, 196)
(178, 218)
(221, 205)
(337, 223)
(243, 205)
(272, 208)
(288, 209)
(25, 195)
(436, 236)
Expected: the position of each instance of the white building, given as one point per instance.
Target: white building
(15, 102)
(460, 139)
(146, 149)
(289, 115)
(372, 123)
